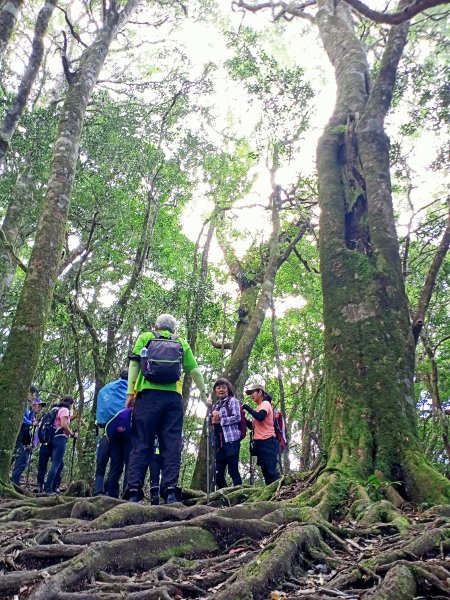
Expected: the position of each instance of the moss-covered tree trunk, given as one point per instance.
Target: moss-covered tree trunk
(370, 424)
(24, 343)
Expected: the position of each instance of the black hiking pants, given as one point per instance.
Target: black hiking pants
(120, 447)
(156, 412)
(228, 456)
(267, 458)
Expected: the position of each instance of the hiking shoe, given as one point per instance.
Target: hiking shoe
(171, 497)
(154, 496)
(57, 490)
(133, 495)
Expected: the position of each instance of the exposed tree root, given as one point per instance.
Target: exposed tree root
(399, 583)
(105, 549)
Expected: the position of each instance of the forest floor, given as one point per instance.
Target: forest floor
(246, 543)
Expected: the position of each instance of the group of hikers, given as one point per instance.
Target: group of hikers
(49, 433)
(141, 415)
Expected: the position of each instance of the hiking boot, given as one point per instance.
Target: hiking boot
(99, 485)
(171, 496)
(154, 496)
(39, 489)
(57, 490)
(133, 495)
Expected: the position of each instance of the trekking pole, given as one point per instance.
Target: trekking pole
(208, 466)
(29, 466)
(71, 460)
(30, 457)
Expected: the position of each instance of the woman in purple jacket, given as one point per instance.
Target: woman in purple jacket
(226, 418)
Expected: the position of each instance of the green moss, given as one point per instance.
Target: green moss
(256, 565)
(424, 484)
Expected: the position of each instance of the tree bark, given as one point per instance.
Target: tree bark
(28, 328)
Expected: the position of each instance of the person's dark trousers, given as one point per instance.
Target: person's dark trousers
(267, 453)
(58, 449)
(22, 455)
(155, 470)
(228, 456)
(102, 458)
(45, 454)
(156, 412)
(120, 447)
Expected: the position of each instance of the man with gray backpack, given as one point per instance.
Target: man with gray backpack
(158, 359)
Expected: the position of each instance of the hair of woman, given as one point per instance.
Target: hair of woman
(223, 381)
(267, 397)
(66, 401)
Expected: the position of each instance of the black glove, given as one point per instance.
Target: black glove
(246, 407)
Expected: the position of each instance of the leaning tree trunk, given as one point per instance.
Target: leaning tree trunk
(14, 112)
(20, 198)
(9, 13)
(25, 340)
(370, 422)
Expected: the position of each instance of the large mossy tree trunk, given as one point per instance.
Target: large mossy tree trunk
(370, 420)
(27, 332)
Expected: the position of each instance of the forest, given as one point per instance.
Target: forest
(274, 175)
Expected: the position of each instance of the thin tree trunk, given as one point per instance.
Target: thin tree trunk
(9, 13)
(438, 413)
(14, 113)
(20, 198)
(286, 461)
(28, 328)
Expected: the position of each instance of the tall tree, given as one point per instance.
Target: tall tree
(28, 328)
(370, 421)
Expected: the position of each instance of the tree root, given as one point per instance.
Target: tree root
(138, 554)
(420, 546)
(399, 583)
(107, 549)
(272, 564)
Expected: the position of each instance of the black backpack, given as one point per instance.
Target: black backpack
(46, 431)
(162, 359)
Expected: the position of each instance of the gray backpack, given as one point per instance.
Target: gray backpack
(162, 359)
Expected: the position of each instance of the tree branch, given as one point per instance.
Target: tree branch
(10, 249)
(396, 18)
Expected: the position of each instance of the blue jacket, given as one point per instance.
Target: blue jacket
(110, 400)
(28, 416)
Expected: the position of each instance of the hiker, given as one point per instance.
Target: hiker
(110, 400)
(154, 393)
(44, 456)
(23, 447)
(265, 443)
(118, 434)
(62, 432)
(226, 418)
